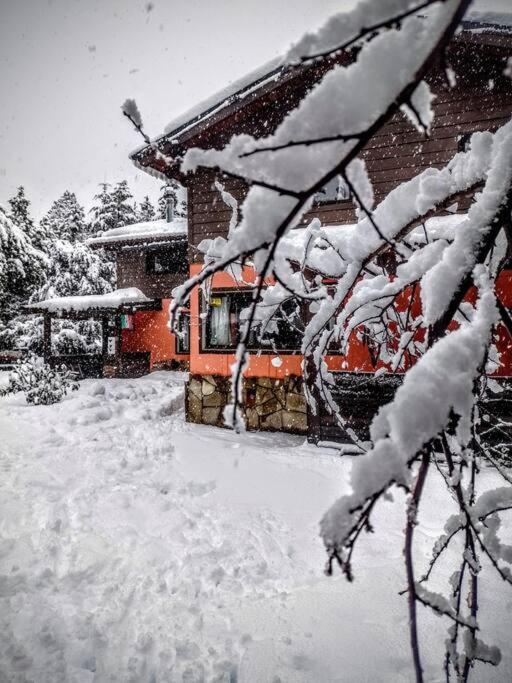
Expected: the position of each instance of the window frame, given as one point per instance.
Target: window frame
(204, 328)
(152, 253)
(179, 348)
(319, 200)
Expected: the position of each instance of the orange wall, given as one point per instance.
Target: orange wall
(357, 359)
(151, 333)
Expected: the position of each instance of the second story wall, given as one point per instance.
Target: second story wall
(481, 100)
(139, 267)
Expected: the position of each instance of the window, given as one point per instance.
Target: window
(167, 260)
(183, 336)
(336, 190)
(225, 312)
(463, 142)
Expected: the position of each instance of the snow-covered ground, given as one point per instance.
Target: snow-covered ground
(136, 547)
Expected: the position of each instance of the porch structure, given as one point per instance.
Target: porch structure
(114, 311)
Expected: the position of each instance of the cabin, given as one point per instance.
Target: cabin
(151, 259)
(480, 100)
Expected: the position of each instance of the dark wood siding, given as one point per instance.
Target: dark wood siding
(131, 272)
(482, 100)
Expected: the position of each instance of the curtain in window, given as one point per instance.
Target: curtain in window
(220, 330)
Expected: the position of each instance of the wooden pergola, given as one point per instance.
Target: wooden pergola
(108, 315)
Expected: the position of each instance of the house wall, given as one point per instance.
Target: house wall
(131, 272)
(151, 334)
(357, 358)
(482, 100)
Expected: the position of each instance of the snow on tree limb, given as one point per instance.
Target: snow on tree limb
(419, 412)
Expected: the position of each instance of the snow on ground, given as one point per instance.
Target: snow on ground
(137, 547)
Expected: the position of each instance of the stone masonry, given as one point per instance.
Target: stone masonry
(270, 404)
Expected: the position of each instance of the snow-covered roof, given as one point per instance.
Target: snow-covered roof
(159, 229)
(500, 22)
(115, 299)
(236, 90)
(272, 71)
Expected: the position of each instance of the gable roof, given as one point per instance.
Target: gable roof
(273, 74)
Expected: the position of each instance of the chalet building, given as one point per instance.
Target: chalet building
(481, 100)
(151, 259)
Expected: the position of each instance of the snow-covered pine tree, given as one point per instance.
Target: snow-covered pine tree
(22, 268)
(146, 211)
(112, 208)
(65, 220)
(73, 269)
(179, 195)
(20, 216)
(124, 204)
(103, 211)
(76, 270)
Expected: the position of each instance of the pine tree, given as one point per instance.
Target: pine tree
(179, 195)
(104, 211)
(125, 210)
(146, 211)
(22, 267)
(111, 208)
(20, 216)
(75, 270)
(65, 220)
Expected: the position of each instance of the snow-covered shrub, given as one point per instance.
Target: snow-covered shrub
(41, 384)
(68, 337)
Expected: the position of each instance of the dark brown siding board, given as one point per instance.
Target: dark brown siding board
(396, 154)
(131, 272)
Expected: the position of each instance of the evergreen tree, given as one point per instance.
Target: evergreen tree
(125, 210)
(75, 270)
(65, 220)
(146, 211)
(103, 211)
(179, 196)
(20, 216)
(22, 267)
(113, 209)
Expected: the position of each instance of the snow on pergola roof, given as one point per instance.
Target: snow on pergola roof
(116, 300)
(150, 230)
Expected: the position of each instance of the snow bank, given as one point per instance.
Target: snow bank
(119, 297)
(136, 548)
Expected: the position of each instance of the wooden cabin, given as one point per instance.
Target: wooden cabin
(480, 100)
(151, 259)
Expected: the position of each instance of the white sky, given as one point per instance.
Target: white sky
(66, 66)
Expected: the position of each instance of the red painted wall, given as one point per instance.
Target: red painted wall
(151, 333)
(357, 359)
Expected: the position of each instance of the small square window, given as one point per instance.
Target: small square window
(167, 260)
(463, 142)
(336, 190)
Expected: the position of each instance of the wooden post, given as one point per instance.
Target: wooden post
(104, 335)
(47, 337)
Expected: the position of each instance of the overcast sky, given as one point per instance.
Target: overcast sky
(66, 66)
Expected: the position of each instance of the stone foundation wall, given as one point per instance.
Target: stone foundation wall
(270, 404)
